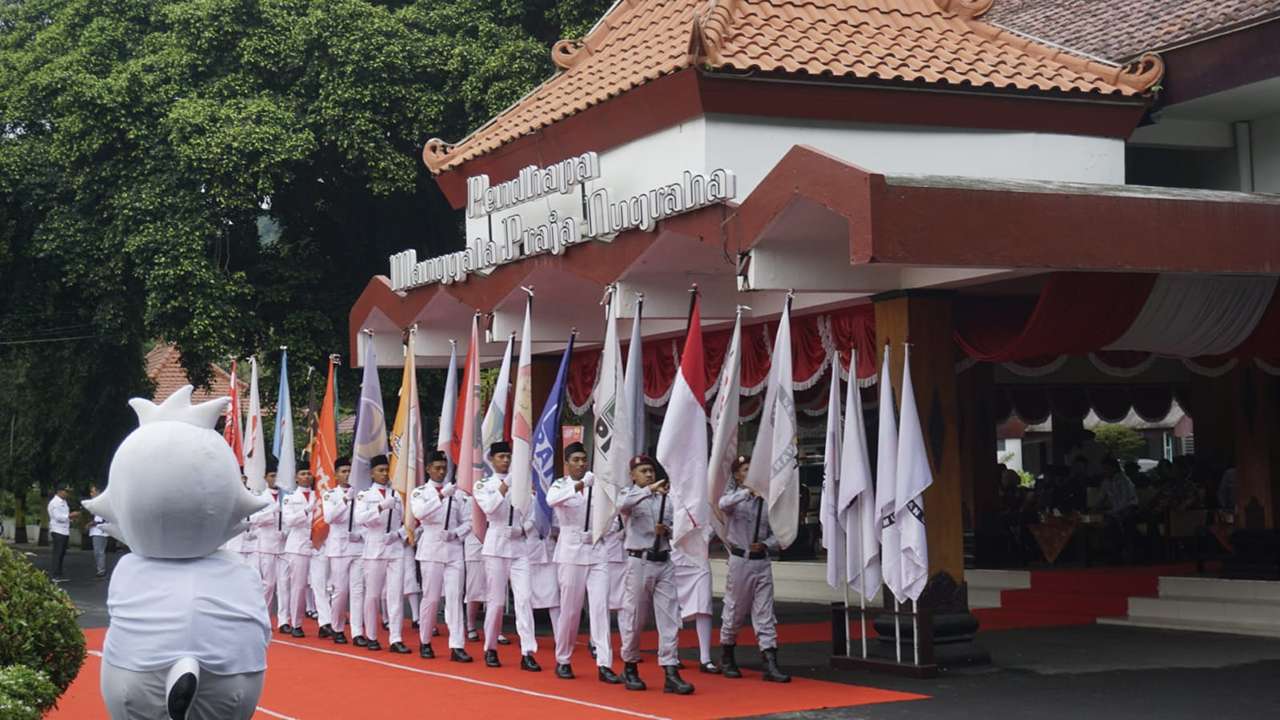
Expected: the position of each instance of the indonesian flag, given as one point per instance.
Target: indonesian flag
(612, 435)
(468, 455)
(521, 481)
(832, 533)
(724, 424)
(887, 484)
(775, 469)
(406, 466)
(448, 406)
(255, 455)
(324, 451)
(232, 430)
(856, 504)
(914, 477)
(682, 445)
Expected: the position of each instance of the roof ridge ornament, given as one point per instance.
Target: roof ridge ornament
(968, 9)
(710, 28)
(1144, 73)
(436, 154)
(568, 52)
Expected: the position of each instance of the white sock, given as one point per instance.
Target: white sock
(703, 623)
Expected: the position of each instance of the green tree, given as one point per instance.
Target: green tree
(1121, 442)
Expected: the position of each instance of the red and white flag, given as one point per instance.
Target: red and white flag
(468, 454)
(255, 452)
(914, 477)
(521, 480)
(232, 430)
(682, 445)
(724, 428)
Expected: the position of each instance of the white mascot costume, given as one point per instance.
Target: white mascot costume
(189, 627)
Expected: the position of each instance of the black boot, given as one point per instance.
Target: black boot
(459, 655)
(339, 638)
(608, 676)
(771, 671)
(372, 646)
(325, 631)
(360, 641)
(286, 629)
(564, 672)
(528, 663)
(631, 677)
(728, 664)
(425, 652)
(297, 632)
(399, 648)
(491, 658)
(674, 683)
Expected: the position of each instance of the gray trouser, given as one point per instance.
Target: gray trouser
(131, 695)
(58, 544)
(650, 583)
(100, 553)
(749, 586)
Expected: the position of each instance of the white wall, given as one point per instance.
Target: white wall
(1266, 154)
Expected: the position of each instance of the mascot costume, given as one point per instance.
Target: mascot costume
(189, 626)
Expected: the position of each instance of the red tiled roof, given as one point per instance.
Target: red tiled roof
(1118, 30)
(164, 369)
(936, 42)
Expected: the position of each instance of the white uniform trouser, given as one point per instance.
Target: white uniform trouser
(443, 577)
(574, 581)
(346, 575)
(749, 586)
(275, 578)
(320, 589)
(499, 572)
(299, 578)
(650, 584)
(129, 694)
(384, 582)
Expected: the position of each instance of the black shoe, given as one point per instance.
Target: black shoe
(771, 671)
(503, 640)
(372, 646)
(729, 664)
(425, 652)
(360, 641)
(564, 672)
(297, 632)
(491, 658)
(459, 655)
(631, 677)
(674, 683)
(311, 614)
(385, 625)
(608, 676)
(528, 663)
(709, 668)
(286, 629)
(399, 648)
(325, 631)
(339, 638)
(435, 632)
(416, 625)
(680, 665)
(473, 636)
(592, 649)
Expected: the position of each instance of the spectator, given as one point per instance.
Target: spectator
(98, 535)
(60, 517)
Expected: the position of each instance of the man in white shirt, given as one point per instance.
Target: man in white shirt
(60, 517)
(300, 508)
(268, 526)
(344, 548)
(506, 559)
(444, 517)
(583, 567)
(380, 515)
(98, 536)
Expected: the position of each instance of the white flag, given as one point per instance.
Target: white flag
(832, 456)
(886, 484)
(633, 386)
(283, 436)
(255, 452)
(775, 471)
(856, 505)
(521, 482)
(914, 476)
(612, 434)
(682, 446)
(724, 424)
(494, 423)
(448, 408)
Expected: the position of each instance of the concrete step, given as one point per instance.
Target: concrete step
(1261, 591)
(1206, 611)
(997, 579)
(1230, 628)
(982, 597)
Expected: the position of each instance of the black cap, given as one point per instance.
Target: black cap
(342, 462)
(574, 447)
(377, 460)
(271, 466)
(436, 456)
(639, 460)
(502, 446)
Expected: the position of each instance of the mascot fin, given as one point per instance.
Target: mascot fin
(181, 686)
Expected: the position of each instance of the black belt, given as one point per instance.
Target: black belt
(651, 555)
(739, 552)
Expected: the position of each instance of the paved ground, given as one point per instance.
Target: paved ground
(1092, 671)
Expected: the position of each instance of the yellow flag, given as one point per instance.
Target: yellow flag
(406, 437)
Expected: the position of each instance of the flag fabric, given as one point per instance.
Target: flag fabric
(546, 445)
(775, 469)
(468, 454)
(724, 424)
(448, 406)
(886, 484)
(324, 452)
(611, 432)
(832, 533)
(255, 455)
(282, 440)
(371, 423)
(406, 468)
(521, 483)
(493, 426)
(913, 478)
(856, 504)
(633, 384)
(231, 430)
(682, 445)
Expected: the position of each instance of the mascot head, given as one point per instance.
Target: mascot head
(174, 487)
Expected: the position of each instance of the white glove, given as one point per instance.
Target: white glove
(515, 533)
(449, 490)
(387, 502)
(450, 535)
(527, 527)
(588, 480)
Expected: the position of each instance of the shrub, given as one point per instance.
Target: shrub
(25, 693)
(1121, 442)
(37, 623)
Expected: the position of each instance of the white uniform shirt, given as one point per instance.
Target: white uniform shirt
(268, 523)
(345, 539)
(299, 510)
(436, 505)
(508, 528)
(96, 529)
(59, 516)
(211, 608)
(380, 515)
(570, 505)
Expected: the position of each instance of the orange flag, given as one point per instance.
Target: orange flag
(324, 452)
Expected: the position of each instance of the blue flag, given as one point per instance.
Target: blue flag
(546, 443)
(282, 446)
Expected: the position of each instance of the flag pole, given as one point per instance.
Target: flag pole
(897, 628)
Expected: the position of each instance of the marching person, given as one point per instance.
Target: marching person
(506, 559)
(749, 585)
(444, 517)
(298, 512)
(583, 567)
(544, 584)
(268, 526)
(693, 588)
(412, 585)
(380, 515)
(650, 578)
(477, 585)
(344, 549)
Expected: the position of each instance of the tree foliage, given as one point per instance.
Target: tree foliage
(222, 174)
(1122, 443)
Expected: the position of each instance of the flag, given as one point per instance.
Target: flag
(521, 484)
(255, 455)
(545, 445)
(611, 431)
(914, 477)
(282, 440)
(493, 427)
(856, 504)
(406, 467)
(832, 457)
(468, 454)
(371, 422)
(324, 452)
(682, 445)
(633, 385)
(448, 406)
(886, 483)
(775, 470)
(724, 424)
(231, 430)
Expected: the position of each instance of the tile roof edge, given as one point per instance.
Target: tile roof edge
(1211, 34)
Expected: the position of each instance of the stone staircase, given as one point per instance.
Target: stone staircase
(1241, 607)
(985, 586)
